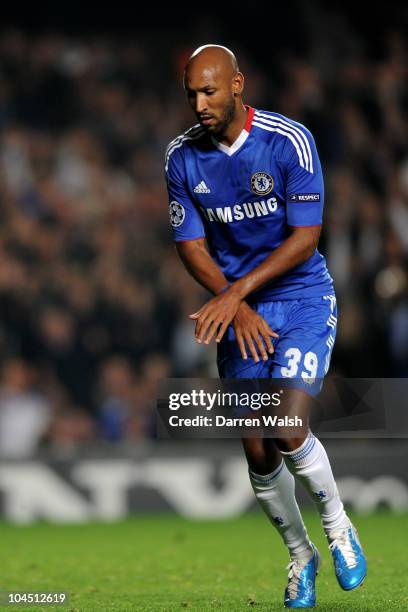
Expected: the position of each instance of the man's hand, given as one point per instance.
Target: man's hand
(252, 329)
(217, 313)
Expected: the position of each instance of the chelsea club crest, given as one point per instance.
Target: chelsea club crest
(261, 183)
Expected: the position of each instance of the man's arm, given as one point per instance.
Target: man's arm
(295, 250)
(199, 263)
(218, 313)
(251, 329)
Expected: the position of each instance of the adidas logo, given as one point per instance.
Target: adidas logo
(201, 188)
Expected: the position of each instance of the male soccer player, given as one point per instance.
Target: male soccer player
(248, 184)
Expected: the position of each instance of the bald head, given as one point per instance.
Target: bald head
(217, 56)
(214, 86)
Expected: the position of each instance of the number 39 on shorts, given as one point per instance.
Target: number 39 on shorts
(308, 362)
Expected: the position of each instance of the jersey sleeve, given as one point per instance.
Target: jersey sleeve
(185, 219)
(304, 180)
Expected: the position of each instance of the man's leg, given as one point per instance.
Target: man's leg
(274, 488)
(307, 460)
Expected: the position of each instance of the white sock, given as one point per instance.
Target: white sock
(276, 494)
(310, 464)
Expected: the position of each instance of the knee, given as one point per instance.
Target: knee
(289, 444)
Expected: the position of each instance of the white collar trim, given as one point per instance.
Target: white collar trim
(235, 145)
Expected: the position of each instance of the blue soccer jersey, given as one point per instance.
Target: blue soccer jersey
(245, 198)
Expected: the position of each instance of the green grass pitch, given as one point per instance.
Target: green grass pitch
(168, 563)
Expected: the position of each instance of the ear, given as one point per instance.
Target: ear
(238, 84)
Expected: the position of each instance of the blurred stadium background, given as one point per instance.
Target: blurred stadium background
(93, 300)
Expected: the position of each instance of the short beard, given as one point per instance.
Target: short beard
(229, 115)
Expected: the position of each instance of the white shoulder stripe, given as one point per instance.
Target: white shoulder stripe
(284, 126)
(178, 142)
(284, 133)
(189, 132)
(300, 136)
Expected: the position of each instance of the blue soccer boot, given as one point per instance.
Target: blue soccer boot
(301, 591)
(349, 561)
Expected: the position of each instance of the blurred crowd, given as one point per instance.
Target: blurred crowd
(93, 300)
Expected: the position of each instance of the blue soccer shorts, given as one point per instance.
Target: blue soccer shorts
(307, 331)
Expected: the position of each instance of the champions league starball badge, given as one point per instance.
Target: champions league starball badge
(261, 183)
(177, 213)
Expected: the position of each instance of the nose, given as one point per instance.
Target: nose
(201, 103)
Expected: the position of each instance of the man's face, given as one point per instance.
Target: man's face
(211, 98)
